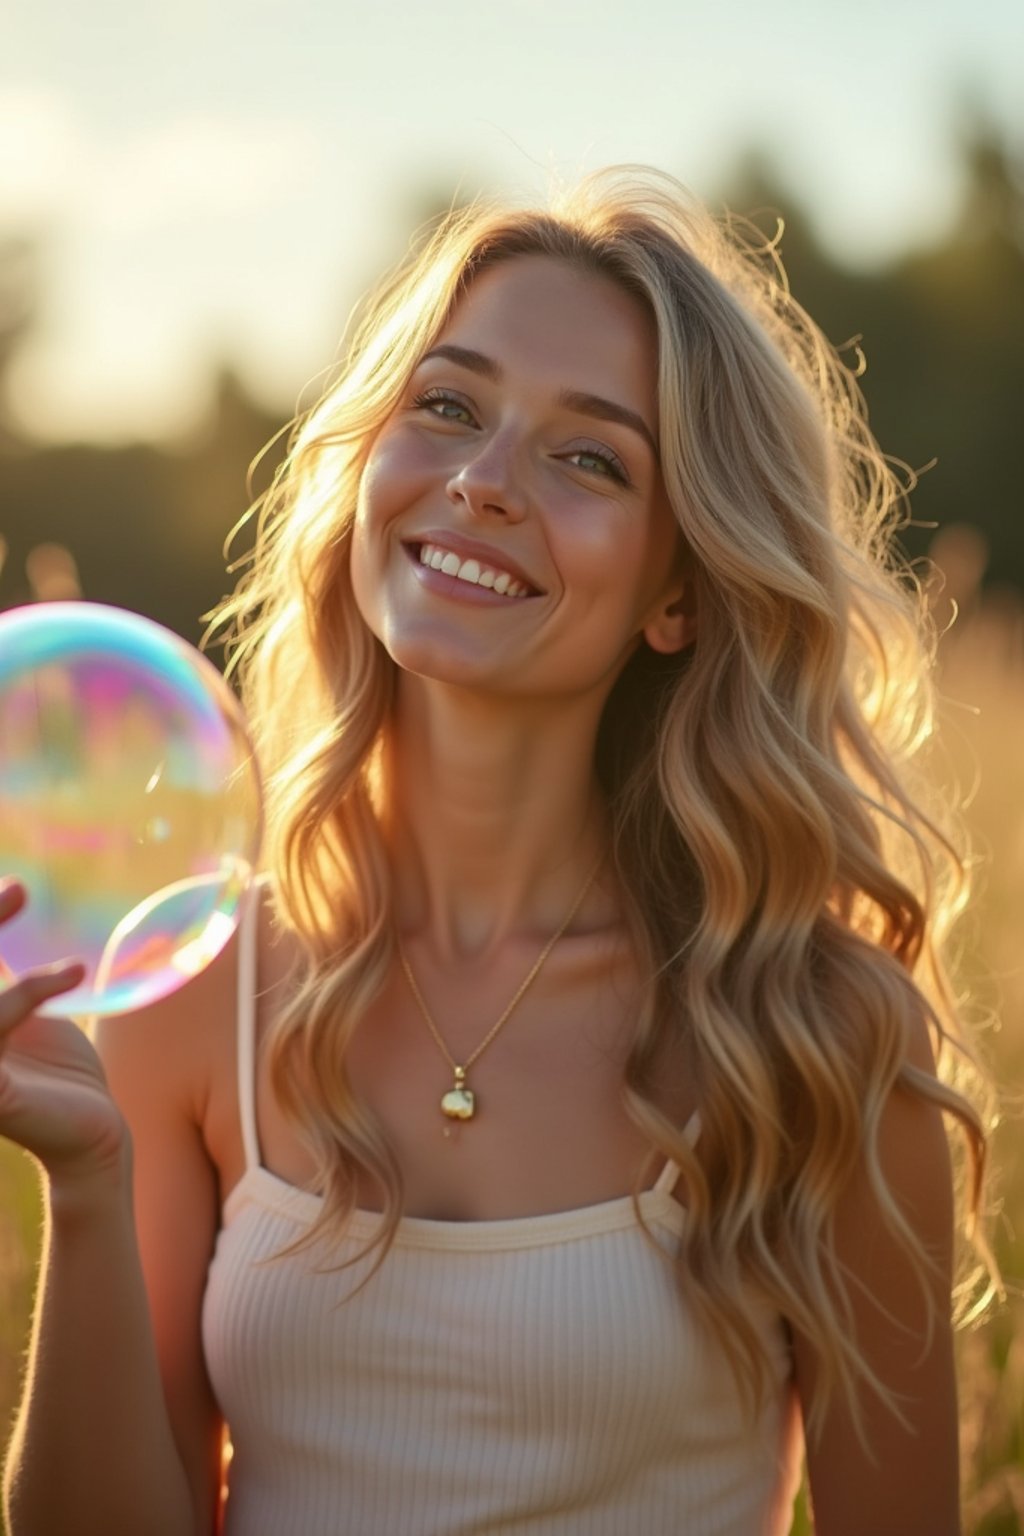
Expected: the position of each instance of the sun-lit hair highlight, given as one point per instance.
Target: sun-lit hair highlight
(792, 879)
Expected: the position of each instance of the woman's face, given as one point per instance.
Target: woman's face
(523, 455)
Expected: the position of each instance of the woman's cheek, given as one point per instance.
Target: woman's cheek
(395, 471)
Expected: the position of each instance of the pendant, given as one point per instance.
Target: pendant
(459, 1103)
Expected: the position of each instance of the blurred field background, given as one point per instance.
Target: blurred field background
(127, 430)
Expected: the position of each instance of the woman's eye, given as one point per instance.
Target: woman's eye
(606, 463)
(449, 405)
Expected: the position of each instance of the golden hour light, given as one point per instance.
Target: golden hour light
(575, 820)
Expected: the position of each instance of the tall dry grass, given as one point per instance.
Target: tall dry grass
(982, 727)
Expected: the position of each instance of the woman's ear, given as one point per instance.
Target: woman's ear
(674, 626)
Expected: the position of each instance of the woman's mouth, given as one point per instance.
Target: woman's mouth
(480, 576)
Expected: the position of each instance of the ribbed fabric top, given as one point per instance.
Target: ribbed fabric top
(538, 1375)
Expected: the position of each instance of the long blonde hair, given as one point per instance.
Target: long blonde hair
(789, 895)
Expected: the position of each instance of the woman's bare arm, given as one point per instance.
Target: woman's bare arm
(109, 1437)
(156, 1066)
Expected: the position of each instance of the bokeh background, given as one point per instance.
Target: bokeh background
(193, 197)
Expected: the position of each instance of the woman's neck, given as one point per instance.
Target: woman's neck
(492, 815)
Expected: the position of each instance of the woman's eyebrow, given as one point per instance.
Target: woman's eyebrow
(573, 399)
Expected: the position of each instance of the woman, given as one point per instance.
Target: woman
(560, 1145)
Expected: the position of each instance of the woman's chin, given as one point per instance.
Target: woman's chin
(441, 661)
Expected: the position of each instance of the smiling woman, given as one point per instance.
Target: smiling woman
(561, 1144)
(491, 458)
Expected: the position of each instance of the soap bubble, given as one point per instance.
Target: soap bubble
(130, 804)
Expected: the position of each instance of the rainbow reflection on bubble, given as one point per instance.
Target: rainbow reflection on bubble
(130, 804)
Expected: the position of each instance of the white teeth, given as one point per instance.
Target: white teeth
(472, 571)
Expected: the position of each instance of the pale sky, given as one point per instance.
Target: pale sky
(219, 179)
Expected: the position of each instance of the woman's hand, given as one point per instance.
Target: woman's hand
(54, 1099)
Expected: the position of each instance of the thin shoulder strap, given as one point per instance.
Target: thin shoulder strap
(669, 1175)
(246, 1052)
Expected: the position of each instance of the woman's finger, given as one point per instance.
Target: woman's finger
(12, 897)
(19, 999)
(34, 987)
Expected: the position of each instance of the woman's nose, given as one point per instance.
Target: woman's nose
(488, 483)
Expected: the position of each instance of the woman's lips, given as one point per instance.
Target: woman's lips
(463, 591)
(448, 541)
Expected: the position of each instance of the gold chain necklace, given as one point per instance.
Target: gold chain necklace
(459, 1103)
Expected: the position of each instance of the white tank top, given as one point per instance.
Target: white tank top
(538, 1375)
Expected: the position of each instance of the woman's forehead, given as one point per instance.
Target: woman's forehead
(542, 315)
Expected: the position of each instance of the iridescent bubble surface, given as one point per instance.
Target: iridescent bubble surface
(130, 804)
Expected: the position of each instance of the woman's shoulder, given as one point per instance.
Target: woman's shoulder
(185, 1041)
(175, 1068)
(170, 1046)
